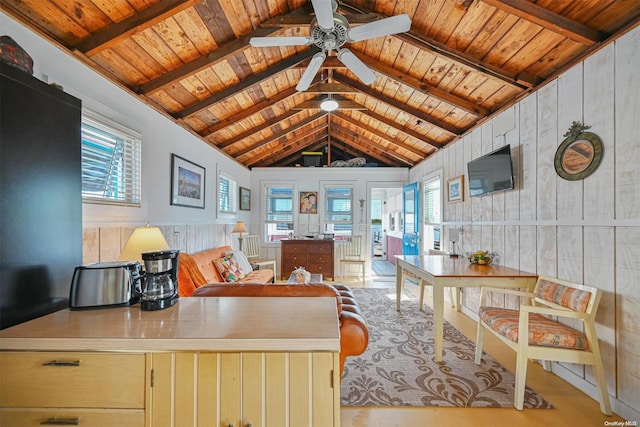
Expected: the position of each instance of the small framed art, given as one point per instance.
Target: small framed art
(455, 189)
(187, 183)
(245, 199)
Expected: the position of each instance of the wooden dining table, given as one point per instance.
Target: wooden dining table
(441, 272)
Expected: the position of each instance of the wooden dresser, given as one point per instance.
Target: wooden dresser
(314, 255)
(205, 361)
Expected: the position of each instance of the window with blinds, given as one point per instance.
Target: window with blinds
(432, 213)
(111, 162)
(338, 214)
(279, 212)
(227, 193)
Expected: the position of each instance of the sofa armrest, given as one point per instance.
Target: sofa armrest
(354, 335)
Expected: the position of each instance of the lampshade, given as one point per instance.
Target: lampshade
(329, 104)
(239, 228)
(143, 239)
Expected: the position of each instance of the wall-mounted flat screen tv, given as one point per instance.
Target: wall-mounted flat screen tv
(491, 172)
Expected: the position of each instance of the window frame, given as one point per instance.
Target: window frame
(269, 224)
(231, 195)
(130, 173)
(344, 227)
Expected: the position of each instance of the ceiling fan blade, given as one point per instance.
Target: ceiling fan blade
(311, 71)
(356, 66)
(324, 13)
(384, 27)
(280, 41)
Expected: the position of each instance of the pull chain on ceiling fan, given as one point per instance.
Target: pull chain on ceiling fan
(330, 31)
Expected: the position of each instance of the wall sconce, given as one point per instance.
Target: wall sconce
(239, 228)
(143, 239)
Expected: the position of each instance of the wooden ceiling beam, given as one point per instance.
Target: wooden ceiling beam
(367, 90)
(356, 139)
(380, 135)
(423, 87)
(266, 125)
(443, 50)
(251, 80)
(361, 148)
(279, 135)
(201, 63)
(255, 109)
(403, 129)
(287, 143)
(137, 22)
(547, 19)
(310, 142)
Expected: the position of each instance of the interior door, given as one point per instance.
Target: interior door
(410, 219)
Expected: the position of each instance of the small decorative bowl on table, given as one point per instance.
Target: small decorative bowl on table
(480, 257)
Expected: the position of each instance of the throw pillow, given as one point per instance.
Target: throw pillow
(242, 260)
(229, 269)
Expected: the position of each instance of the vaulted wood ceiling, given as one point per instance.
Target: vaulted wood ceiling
(461, 62)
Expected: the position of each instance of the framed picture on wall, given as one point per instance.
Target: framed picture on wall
(245, 199)
(187, 183)
(455, 189)
(309, 202)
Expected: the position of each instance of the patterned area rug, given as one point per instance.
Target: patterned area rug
(399, 369)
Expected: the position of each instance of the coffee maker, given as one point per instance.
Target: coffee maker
(159, 283)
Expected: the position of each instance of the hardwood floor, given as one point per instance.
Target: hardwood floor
(571, 406)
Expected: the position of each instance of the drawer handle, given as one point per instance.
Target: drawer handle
(61, 422)
(62, 363)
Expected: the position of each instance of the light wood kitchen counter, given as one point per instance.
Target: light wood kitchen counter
(288, 324)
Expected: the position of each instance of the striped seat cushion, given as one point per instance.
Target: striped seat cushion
(566, 296)
(542, 330)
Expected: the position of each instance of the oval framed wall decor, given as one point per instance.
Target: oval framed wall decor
(580, 153)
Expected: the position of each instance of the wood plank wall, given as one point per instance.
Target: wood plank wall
(106, 243)
(585, 231)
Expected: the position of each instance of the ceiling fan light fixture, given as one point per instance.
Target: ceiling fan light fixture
(329, 104)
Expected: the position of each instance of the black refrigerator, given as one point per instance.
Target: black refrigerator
(40, 196)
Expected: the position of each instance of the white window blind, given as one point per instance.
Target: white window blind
(111, 162)
(227, 194)
(432, 201)
(339, 210)
(279, 212)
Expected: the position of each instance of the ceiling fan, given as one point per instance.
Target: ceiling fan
(330, 31)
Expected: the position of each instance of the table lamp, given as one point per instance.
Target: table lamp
(239, 228)
(143, 239)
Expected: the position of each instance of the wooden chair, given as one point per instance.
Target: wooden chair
(352, 255)
(251, 248)
(548, 339)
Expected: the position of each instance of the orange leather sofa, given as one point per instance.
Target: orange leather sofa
(197, 269)
(354, 334)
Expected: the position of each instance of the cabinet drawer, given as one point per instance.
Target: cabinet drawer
(295, 258)
(72, 380)
(61, 417)
(320, 248)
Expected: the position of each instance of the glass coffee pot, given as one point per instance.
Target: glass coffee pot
(158, 286)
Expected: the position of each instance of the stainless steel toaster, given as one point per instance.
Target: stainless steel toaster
(104, 284)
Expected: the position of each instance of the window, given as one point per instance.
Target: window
(339, 210)
(226, 194)
(111, 162)
(432, 218)
(279, 219)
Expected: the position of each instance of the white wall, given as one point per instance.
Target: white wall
(363, 181)
(584, 231)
